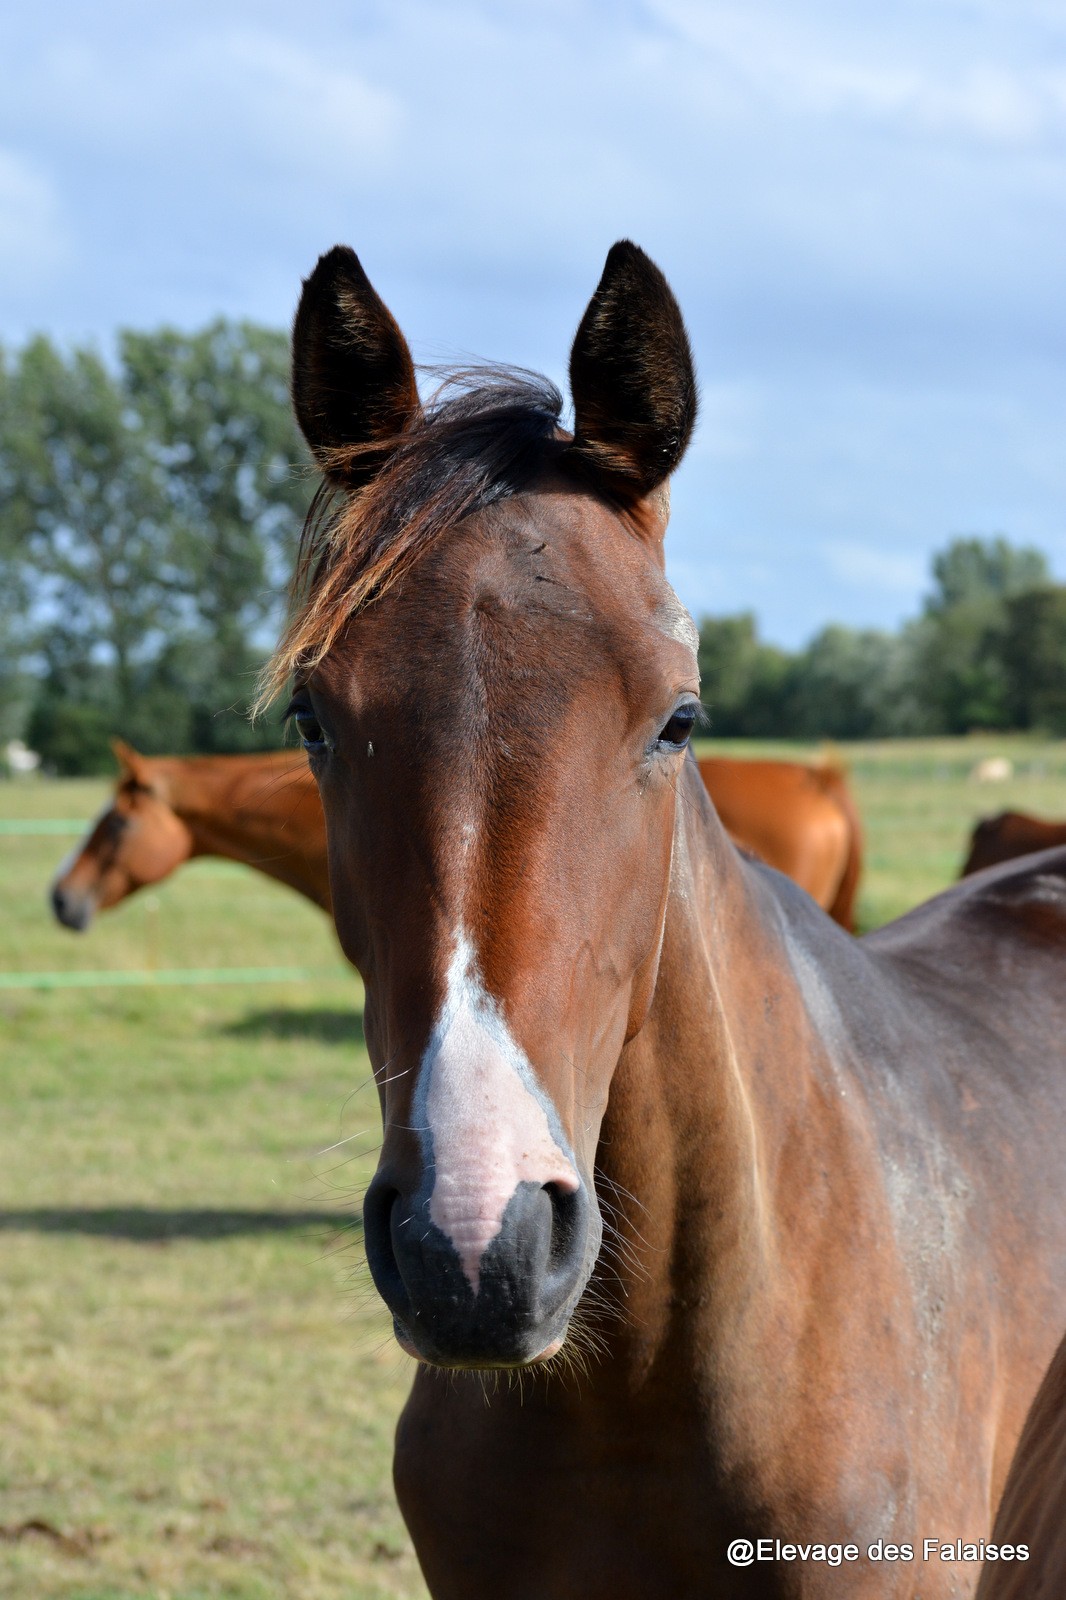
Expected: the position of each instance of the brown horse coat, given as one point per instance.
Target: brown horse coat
(1033, 1509)
(795, 1203)
(1009, 835)
(258, 809)
(264, 810)
(800, 819)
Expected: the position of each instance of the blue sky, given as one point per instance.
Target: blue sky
(861, 210)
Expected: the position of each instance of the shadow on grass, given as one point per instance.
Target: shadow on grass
(316, 1022)
(150, 1224)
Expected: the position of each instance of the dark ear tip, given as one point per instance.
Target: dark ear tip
(626, 257)
(339, 263)
(626, 250)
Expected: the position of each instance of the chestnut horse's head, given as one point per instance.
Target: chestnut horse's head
(135, 842)
(495, 685)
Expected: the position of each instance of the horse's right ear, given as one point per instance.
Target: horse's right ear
(353, 380)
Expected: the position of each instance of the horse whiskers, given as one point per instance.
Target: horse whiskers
(618, 1188)
(623, 1248)
(347, 1162)
(325, 1151)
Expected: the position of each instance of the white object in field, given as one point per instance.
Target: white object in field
(20, 758)
(993, 769)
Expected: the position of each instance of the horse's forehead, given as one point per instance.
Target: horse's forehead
(557, 569)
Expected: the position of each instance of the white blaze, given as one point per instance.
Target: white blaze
(486, 1117)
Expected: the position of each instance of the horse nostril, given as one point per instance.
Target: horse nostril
(568, 1217)
(68, 910)
(379, 1205)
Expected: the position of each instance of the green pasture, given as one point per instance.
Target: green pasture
(919, 801)
(199, 1386)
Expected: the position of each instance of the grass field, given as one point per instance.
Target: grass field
(199, 1389)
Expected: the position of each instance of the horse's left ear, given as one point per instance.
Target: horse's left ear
(632, 378)
(353, 380)
(131, 764)
(128, 758)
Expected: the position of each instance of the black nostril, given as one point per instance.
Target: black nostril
(518, 1300)
(569, 1209)
(69, 910)
(379, 1221)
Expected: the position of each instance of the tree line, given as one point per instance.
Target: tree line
(988, 651)
(149, 513)
(150, 506)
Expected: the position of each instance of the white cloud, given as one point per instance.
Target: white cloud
(32, 239)
(900, 573)
(915, 71)
(861, 209)
(209, 92)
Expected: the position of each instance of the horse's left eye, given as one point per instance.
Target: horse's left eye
(308, 727)
(310, 730)
(678, 730)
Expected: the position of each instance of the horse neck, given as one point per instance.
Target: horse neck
(704, 1143)
(259, 810)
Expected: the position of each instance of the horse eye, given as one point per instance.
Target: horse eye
(310, 729)
(678, 730)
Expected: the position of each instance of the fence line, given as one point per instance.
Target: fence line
(32, 825)
(175, 977)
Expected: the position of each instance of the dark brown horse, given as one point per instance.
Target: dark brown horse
(166, 810)
(1008, 836)
(264, 811)
(1032, 1513)
(764, 1227)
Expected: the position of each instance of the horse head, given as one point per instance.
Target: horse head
(136, 841)
(495, 685)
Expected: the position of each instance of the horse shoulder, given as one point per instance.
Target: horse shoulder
(1032, 1512)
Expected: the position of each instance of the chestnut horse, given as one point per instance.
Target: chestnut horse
(259, 809)
(741, 1211)
(264, 811)
(1011, 834)
(800, 819)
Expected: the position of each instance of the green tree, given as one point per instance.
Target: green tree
(851, 684)
(85, 516)
(150, 515)
(214, 410)
(742, 680)
(16, 686)
(975, 572)
(959, 640)
(1033, 652)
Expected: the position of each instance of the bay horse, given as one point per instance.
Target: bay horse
(703, 1221)
(259, 809)
(263, 810)
(1009, 835)
(1032, 1513)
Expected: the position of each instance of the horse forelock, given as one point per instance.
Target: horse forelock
(477, 441)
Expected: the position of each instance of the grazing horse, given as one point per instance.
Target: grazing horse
(259, 809)
(1032, 1512)
(1011, 834)
(760, 1229)
(264, 811)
